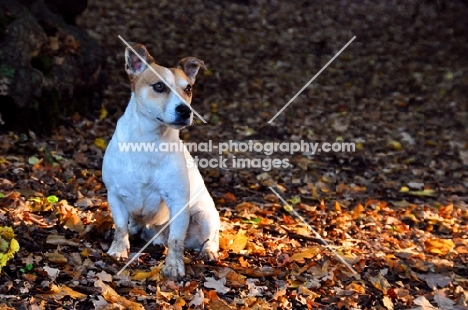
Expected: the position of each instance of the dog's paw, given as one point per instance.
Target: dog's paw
(174, 270)
(119, 249)
(209, 255)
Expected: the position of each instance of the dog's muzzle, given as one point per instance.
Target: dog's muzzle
(183, 112)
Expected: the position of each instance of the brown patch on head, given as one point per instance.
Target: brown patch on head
(148, 79)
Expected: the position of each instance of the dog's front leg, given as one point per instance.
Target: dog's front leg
(175, 255)
(120, 245)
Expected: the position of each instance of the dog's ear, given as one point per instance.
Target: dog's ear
(191, 65)
(133, 64)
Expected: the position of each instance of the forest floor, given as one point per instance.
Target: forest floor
(395, 209)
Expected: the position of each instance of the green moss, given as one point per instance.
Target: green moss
(5, 20)
(43, 63)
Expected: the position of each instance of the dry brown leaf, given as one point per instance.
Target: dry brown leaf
(288, 220)
(355, 287)
(246, 209)
(179, 303)
(304, 291)
(265, 271)
(279, 293)
(271, 198)
(60, 240)
(243, 262)
(234, 279)
(56, 258)
(380, 283)
(163, 294)
(229, 197)
(307, 253)
(218, 304)
(57, 292)
(74, 223)
(225, 240)
(112, 297)
(253, 248)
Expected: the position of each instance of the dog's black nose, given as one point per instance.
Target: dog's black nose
(183, 111)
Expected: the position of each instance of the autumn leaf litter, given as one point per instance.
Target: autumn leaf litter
(395, 209)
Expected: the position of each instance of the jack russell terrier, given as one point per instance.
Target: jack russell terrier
(147, 189)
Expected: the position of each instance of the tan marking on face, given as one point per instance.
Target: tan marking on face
(176, 78)
(181, 81)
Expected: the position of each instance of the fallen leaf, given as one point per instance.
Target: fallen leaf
(423, 193)
(264, 271)
(271, 198)
(103, 113)
(100, 143)
(304, 291)
(112, 297)
(357, 211)
(179, 303)
(219, 304)
(439, 246)
(217, 285)
(423, 303)
(307, 253)
(57, 292)
(442, 301)
(229, 197)
(198, 298)
(101, 303)
(51, 272)
(239, 242)
(255, 290)
(104, 276)
(394, 145)
(380, 283)
(435, 280)
(355, 287)
(387, 302)
(60, 240)
(74, 223)
(56, 258)
(9, 245)
(153, 274)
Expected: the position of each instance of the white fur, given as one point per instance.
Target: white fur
(145, 189)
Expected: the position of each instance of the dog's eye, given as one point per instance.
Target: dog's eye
(188, 90)
(159, 87)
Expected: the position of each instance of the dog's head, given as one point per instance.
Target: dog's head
(160, 92)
